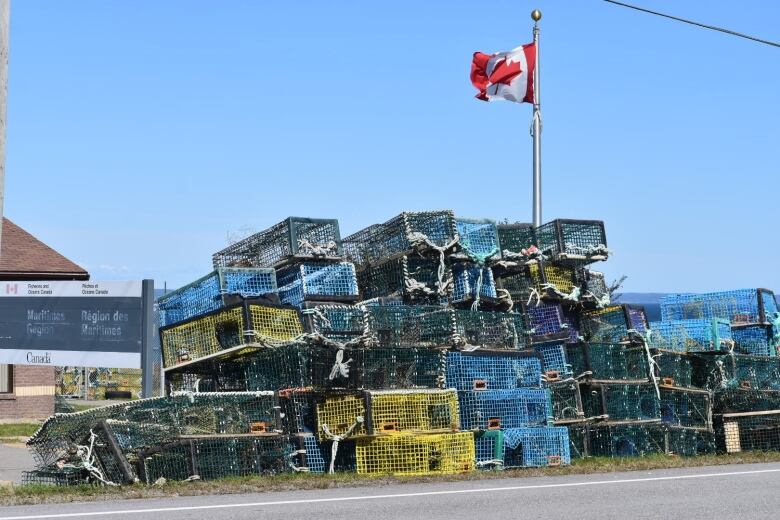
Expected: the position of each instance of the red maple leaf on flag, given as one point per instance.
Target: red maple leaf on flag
(505, 71)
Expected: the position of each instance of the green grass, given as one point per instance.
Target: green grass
(22, 495)
(18, 429)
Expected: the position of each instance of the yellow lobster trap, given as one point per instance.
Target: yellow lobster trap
(230, 329)
(416, 454)
(383, 412)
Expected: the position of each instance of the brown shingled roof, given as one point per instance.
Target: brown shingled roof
(24, 257)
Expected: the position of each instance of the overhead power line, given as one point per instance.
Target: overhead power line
(697, 24)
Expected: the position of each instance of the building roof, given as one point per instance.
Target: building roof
(24, 257)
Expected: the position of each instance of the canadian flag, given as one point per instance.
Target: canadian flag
(505, 75)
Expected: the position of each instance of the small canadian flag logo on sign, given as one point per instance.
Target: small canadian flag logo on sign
(11, 288)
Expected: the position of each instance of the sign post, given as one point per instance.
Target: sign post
(147, 338)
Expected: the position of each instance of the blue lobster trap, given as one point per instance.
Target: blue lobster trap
(740, 307)
(315, 455)
(478, 239)
(293, 239)
(470, 280)
(482, 370)
(552, 349)
(222, 287)
(317, 281)
(407, 232)
(536, 447)
(693, 335)
(494, 409)
(568, 240)
(758, 340)
(545, 318)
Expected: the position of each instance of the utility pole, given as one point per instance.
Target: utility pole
(5, 16)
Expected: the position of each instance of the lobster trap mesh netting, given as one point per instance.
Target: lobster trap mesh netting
(686, 407)
(676, 368)
(610, 361)
(400, 234)
(566, 401)
(413, 410)
(232, 327)
(573, 239)
(209, 293)
(741, 306)
(738, 371)
(758, 340)
(694, 335)
(418, 279)
(626, 440)
(481, 370)
(516, 237)
(554, 361)
(470, 282)
(423, 454)
(621, 402)
(544, 318)
(63, 440)
(478, 239)
(759, 431)
(293, 237)
(738, 400)
(315, 455)
(336, 322)
(515, 408)
(214, 458)
(317, 281)
(613, 323)
(536, 447)
(436, 327)
(690, 442)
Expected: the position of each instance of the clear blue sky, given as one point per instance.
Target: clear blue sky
(141, 133)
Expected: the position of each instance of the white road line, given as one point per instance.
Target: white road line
(381, 497)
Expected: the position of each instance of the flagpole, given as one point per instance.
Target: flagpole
(536, 15)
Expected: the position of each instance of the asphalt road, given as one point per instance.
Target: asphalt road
(13, 460)
(724, 492)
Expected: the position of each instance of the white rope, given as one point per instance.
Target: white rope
(421, 242)
(304, 246)
(475, 305)
(340, 367)
(85, 453)
(319, 315)
(338, 438)
(506, 299)
(534, 294)
(652, 364)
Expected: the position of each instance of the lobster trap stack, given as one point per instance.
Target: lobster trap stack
(427, 344)
(736, 335)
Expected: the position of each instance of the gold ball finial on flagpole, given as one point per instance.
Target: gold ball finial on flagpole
(536, 15)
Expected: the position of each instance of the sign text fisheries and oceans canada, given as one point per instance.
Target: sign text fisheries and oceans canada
(71, 323)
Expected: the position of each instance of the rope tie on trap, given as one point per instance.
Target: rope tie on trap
(338, 438)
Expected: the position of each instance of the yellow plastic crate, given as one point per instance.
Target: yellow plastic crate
(393, 411)
(421, 454)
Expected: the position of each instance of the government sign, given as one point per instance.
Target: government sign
(76, 323)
